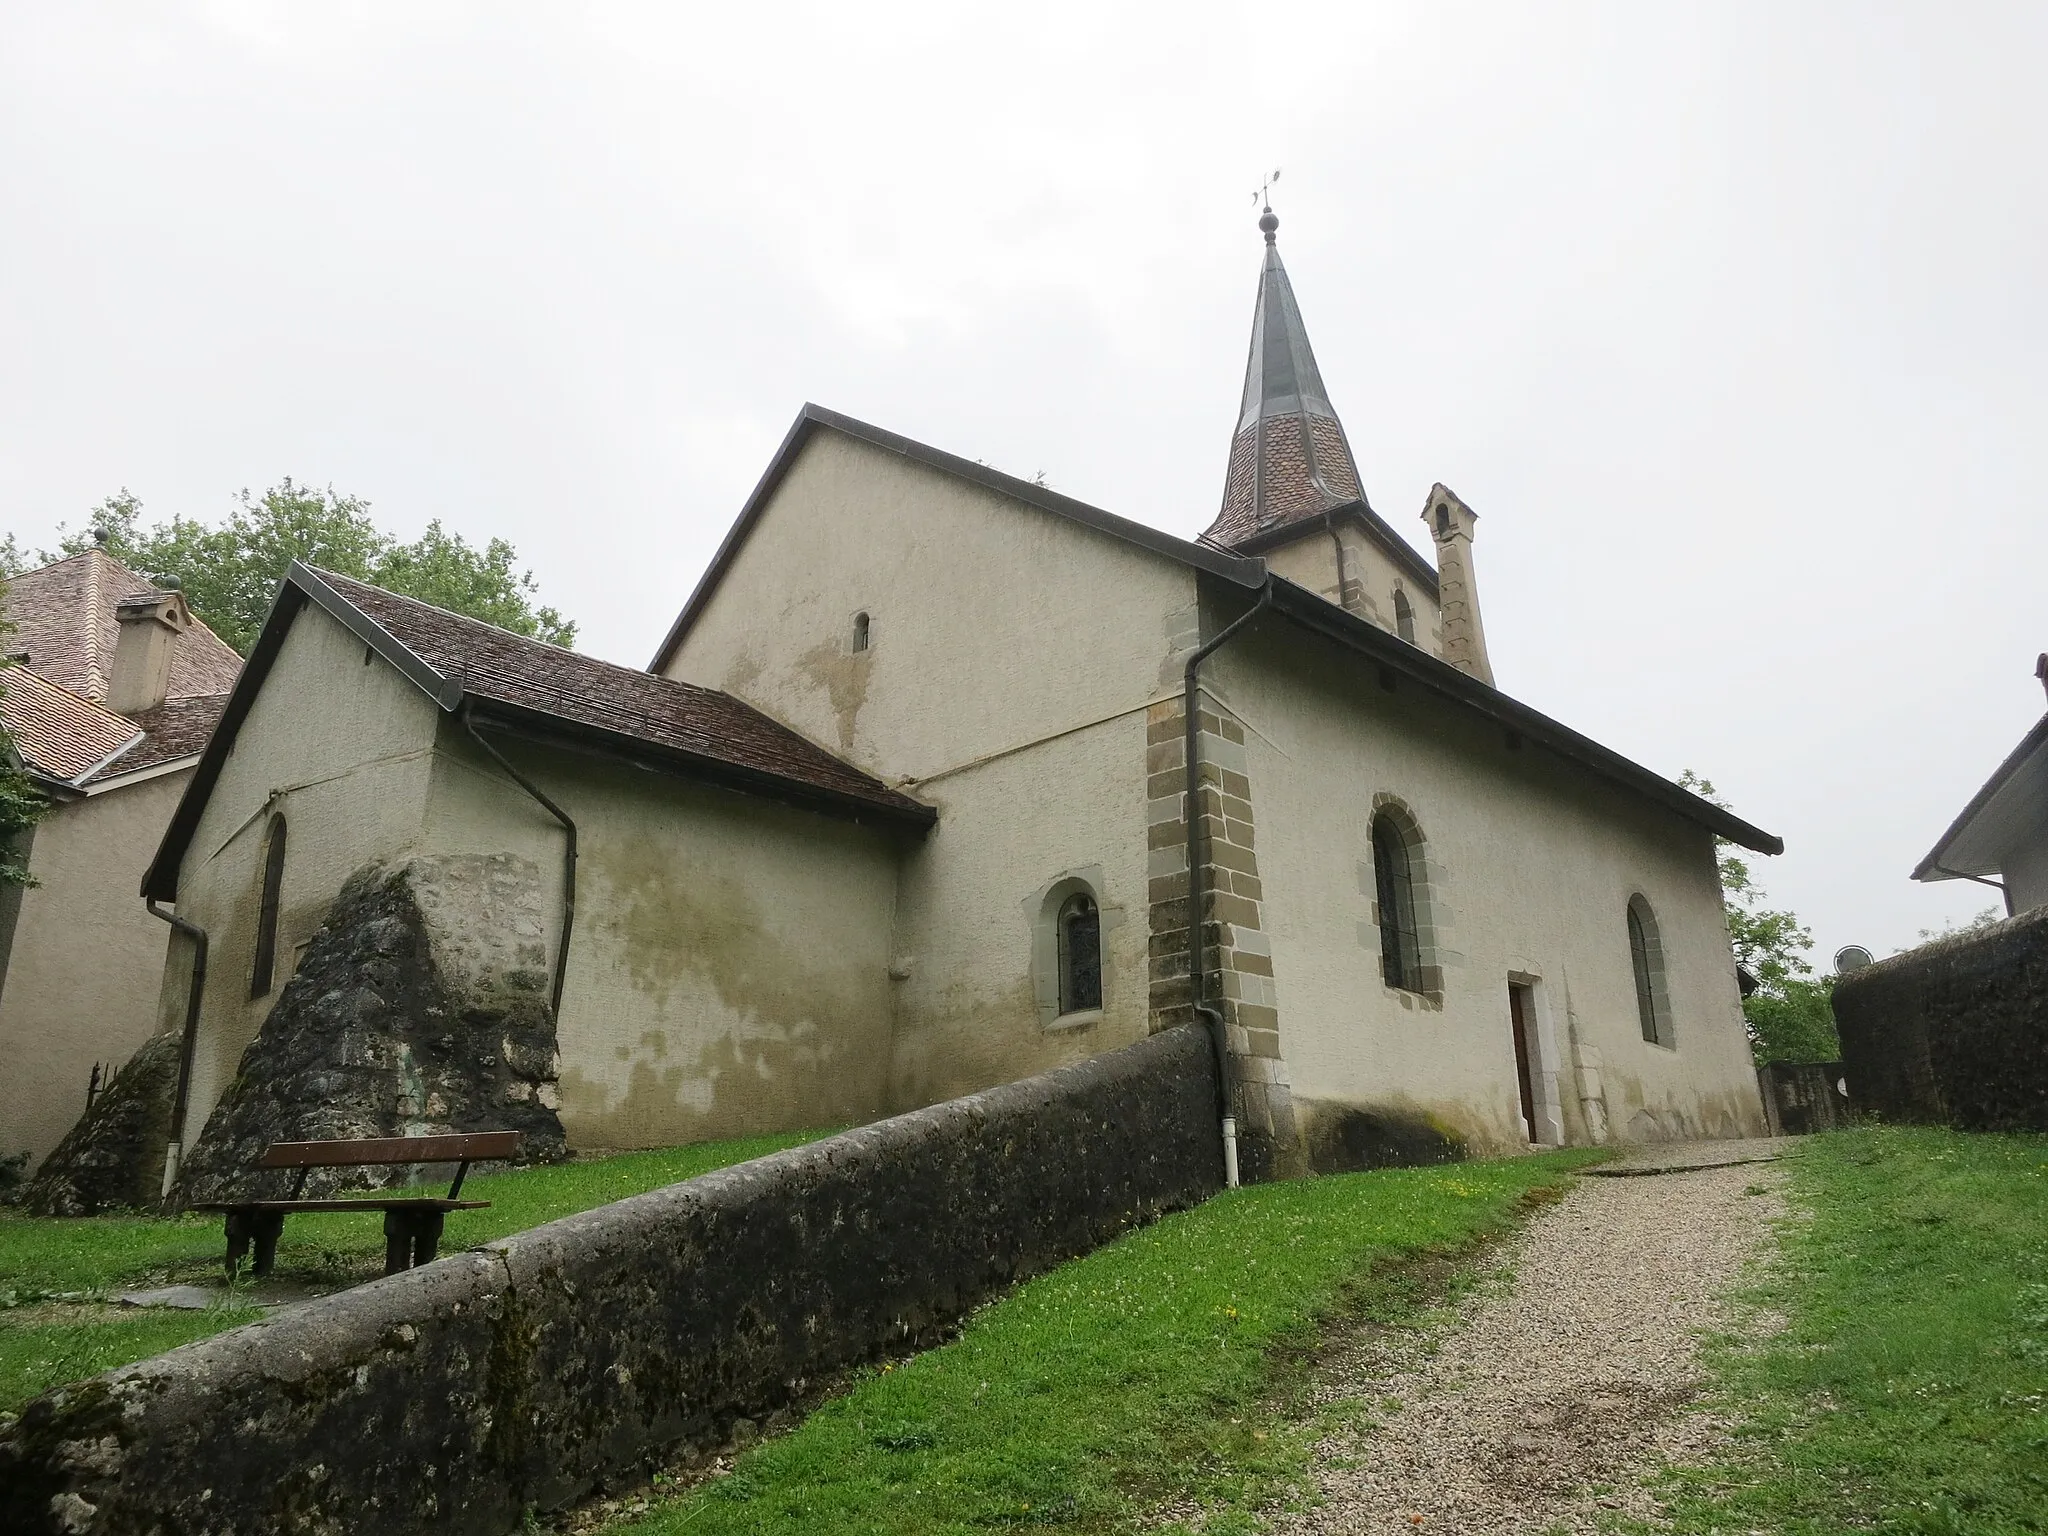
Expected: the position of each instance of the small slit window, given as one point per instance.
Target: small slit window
(1646, 959)
(1393, 868)
(263, 971)
(1404, 617)
(1080, 942)
(860, 631)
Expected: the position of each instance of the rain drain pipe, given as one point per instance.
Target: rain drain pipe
(1219, 1035)
(568, 861)
(174, 1151)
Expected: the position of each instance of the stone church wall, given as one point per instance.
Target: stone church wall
(1527, 868)
(452, 1398)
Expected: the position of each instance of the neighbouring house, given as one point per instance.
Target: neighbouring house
(2001, 837)
(112, 689)
(900, 811)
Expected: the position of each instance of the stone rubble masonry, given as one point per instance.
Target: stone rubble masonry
(1239, 955)
(420, 1009)
(113, 1159)
(455, 1397)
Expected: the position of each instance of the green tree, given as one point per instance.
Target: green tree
(21, 804)
(230, 573)
(1789, 1014)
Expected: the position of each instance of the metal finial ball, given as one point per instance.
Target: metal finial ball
(1269, 221)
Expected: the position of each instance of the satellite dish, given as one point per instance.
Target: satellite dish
(1851, 958)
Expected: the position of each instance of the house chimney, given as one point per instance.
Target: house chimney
(1450, 524)
(150, 624)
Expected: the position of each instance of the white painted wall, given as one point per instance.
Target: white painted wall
(82, 975)
(342, 747)
(728, 974)
(1531, 864)
(1012, 655)
(1309, 561)
(2026, 876)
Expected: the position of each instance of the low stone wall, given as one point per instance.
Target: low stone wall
(1955, 1032)
(452, 1398)
(1801, 1097)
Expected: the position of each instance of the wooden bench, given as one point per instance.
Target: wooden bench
(412, 1223)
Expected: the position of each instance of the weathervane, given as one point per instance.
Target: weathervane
(1268, 220)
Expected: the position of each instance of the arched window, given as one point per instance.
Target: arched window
(1393, 867)
(1080, 940)
(1646, 959)
(860, 631)
(1404, 616)
(261, 973)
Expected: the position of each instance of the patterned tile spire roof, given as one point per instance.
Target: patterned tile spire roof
(1289, 459)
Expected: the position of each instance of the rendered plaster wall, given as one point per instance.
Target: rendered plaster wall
(2026, 876)
(728, 973)
(455, 1397)
(1373, 579)
(1015, 706)
(1530, 865)
(341, 747)
(81, 982)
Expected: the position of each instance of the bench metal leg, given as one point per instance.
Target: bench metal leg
(410, 1238)
(239, 1234)
(269, 1226)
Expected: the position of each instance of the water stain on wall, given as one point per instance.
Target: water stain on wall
(844, 676)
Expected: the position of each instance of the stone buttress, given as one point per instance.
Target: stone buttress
(1238, 956)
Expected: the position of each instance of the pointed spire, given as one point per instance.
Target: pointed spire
(1289, 460)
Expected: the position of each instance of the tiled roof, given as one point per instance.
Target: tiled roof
(63, 617)
(1289, 459)
(497, 666)
(175, 728)
(59, 734)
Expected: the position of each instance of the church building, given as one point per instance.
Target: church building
(899, 811)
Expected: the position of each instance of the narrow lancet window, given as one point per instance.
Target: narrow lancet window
(262, 972)
(1393, 867)
(1080, 941)
(1404, 617)
(1646, 958)
(860, 631)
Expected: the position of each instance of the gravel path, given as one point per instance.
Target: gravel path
(1560, 1380)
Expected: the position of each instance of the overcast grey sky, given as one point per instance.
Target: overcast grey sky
(1727, 319)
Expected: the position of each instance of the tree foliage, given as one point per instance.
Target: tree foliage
(230, 572)
(1789, 1014)
(21, 804)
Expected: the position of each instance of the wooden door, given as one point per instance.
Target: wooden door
(1523, 1019)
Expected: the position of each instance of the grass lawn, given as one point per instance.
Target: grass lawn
(1908, 1389)
(57, 1276)
(1145, 1370)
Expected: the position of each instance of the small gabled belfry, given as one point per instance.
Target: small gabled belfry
(1289, 461)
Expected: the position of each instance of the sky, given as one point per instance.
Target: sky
(1727, 319)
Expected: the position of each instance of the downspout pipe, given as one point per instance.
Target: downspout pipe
(1996, 885)
(568, 860)
(195, 994)
(1219, 1036)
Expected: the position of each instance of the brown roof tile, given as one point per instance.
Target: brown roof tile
(497, 666)
(63, 616)
(175, 728)
(59, 734)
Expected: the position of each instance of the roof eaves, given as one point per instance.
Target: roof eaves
(1377, 528)
(1930, 868)
(1324, 617)
(1233, 568)
(538, 725)
(443, 690)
